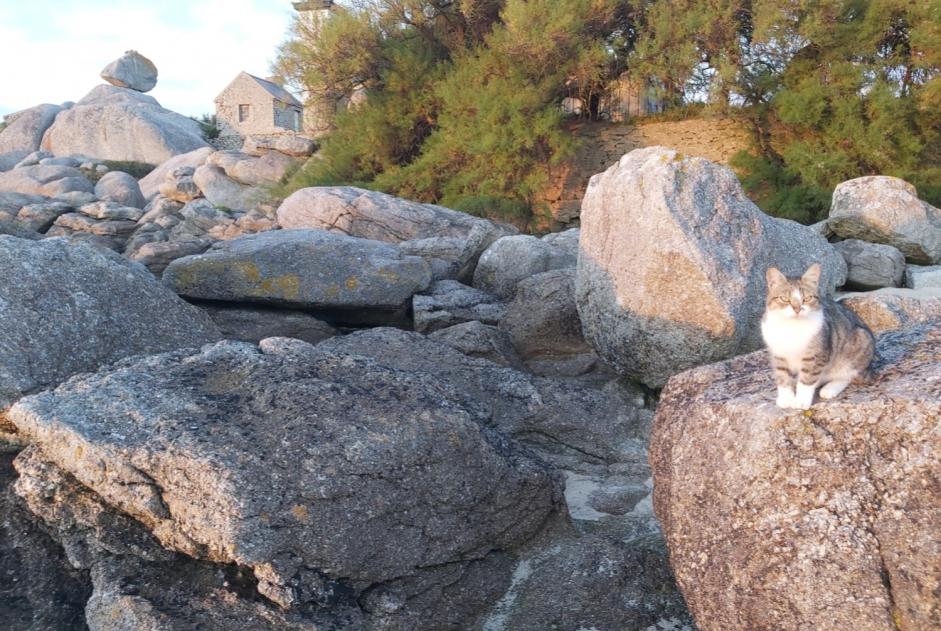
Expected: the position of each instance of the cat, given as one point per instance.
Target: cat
(811, 339)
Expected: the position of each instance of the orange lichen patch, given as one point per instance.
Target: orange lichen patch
(300, 512)
(352, 282)
(286, 286)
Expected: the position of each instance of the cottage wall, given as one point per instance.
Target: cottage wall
(244, 91)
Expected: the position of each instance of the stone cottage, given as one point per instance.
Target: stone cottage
(251, 106)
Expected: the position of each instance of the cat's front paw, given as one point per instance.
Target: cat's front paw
(804, 397)
(785, 398)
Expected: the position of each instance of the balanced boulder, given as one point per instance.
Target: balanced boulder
(671, 271)
(883, 209)
(824, 519)
(131, 70)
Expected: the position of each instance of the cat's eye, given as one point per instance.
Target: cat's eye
(808, 299)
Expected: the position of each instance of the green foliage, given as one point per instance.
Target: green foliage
(462, 108)
(835, 89)
(464, 98)
(208, 126)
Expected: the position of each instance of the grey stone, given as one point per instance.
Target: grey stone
(33, 158)
(266, 170)
(592, 582)
(448, 302)
(374, 215)
(255, 324)
(16, 229)
(111, 210)
(224, 192)
(561, 420)
(542, 320)
(11, 203)
(890, 308)
(871, 265)
(9, 159)
(882, 209)
(113, 123)
(40, 216)
(150, 183)
(176, 441)
(46, 180)
(131, 70)
(67, 161)
(76, 198)
(310, 269)
(67, 308)
(120, 187)
(41, 590)
(671, 271)
(510, 260)
(156, 255)
(476, 339)
(777, 519)
(922, 276)
(25, 128)
(297, 146)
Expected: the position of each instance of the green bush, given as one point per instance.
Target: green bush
(136, 169)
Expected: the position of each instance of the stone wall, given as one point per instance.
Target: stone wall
(603, 144)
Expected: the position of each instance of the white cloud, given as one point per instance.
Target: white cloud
(198, 48)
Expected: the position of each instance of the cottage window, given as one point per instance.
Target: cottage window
(244, 112)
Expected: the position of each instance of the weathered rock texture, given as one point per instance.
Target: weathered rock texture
(454, 238)
(827, 519)
(871, 265)
(311, 269)
(45, 179)
(150, 183)
(249, 455)
(888, 309)
(24, 129)
(672, 263)
(39, 589)
(448, 302)
(120, 187)
(922, 276)
(883, 209)
(131, 70)
(514, 258)
(254, 324)
(113, 123)
(67, 308)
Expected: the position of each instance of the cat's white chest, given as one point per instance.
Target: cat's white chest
(789, 337)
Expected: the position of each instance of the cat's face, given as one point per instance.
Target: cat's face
(793, 297)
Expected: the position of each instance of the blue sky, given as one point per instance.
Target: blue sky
(53, 50)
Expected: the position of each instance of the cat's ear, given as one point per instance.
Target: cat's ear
(774, 277)
(812, 276)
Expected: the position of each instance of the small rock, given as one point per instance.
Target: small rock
(871, 265)
(120, 187)
(882, 209)
(921, 276)
(476, 339)
(449, 302)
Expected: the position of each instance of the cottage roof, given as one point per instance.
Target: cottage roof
(276, 91)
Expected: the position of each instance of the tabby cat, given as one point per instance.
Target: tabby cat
(812, 340)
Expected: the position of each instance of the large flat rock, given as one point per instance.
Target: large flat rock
(311, 269)
(305, 465)
(826, 519)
